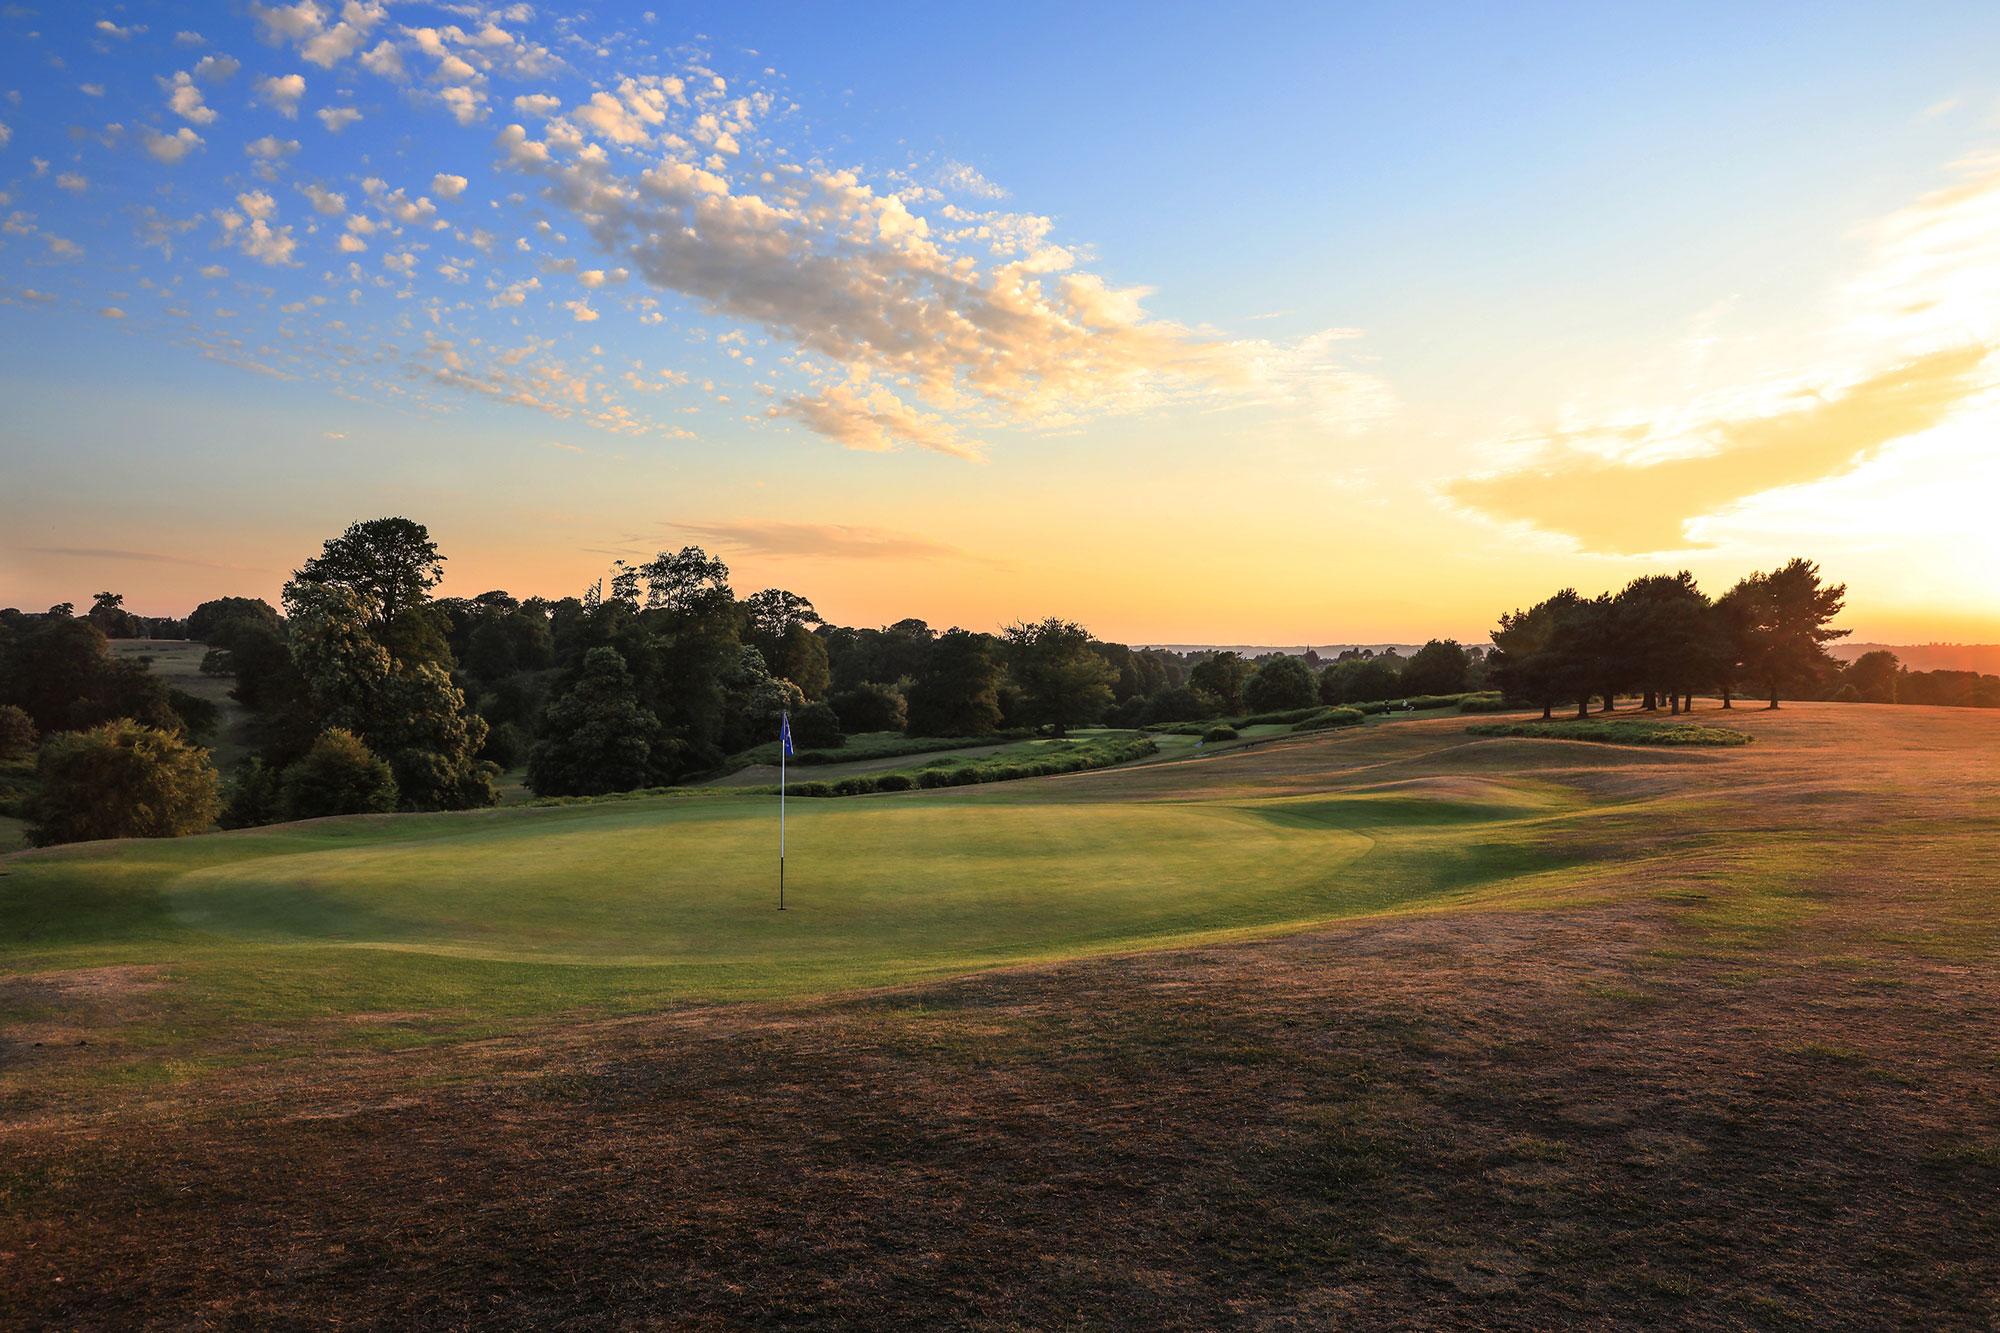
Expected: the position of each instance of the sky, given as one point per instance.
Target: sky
(1253, 323)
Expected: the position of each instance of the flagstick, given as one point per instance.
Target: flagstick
(783, 730)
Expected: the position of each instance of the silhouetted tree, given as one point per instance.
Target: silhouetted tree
(1223, 675)
(1790, 610)
(1281, 683)
(389, 564)
(958, 694)
(596, 737)
(1063, 682)
(1436, 668)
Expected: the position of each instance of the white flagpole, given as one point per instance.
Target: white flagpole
(784, 726)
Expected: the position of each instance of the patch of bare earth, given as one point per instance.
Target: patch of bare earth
(1628, 1114)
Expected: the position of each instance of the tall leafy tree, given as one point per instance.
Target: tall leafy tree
(1534, 652)
(1874, 676)
(1064, 683)
(1223, 675)
(1791, 606)
(596, 736)
(958, 694)
(1436, 668)
(389, 564)
(1281, 683)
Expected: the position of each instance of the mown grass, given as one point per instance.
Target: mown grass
(1614, 733)
(473, 922)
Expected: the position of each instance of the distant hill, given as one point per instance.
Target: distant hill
(1293, 649)
(1981, 657)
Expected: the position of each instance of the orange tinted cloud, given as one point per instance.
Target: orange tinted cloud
(1619, 506)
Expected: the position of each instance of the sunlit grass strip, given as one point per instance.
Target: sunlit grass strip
(1614, 733)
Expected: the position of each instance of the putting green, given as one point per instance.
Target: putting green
(477, 920)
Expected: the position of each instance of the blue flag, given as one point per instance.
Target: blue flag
(785, 732)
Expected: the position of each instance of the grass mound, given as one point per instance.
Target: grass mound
(1615, 733)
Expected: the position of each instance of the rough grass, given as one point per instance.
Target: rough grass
(1615, 733)
(1626, 1037)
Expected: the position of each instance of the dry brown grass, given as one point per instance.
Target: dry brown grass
(1753, 1082)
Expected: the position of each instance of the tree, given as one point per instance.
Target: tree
(1437, 668)
(774, 611)
(1281, 683)
(799, 656)
(1790, 609)
(816, 727)
(1063, 682)
(958, 694)
(389, 564)
(1874, 676)
(208, 618)
(17, 732)
(1359, 680)
(870, 707)
(1222, 675)
(122, 780)
(1533, 652)
(108, 613)
(685, 580)
(339, 775)
(62, 674)
(596, 737)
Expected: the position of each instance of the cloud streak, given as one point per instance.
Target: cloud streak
(1631, 506)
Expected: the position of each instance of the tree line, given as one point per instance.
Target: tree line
(366, 692)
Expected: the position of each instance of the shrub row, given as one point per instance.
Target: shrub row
(1328, 718)
(1070, 759)
(1616, 733)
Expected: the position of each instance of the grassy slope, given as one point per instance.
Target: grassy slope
(1744, 1076)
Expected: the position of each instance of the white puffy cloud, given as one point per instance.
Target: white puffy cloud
(184, 99)
(539, 105)
(112, 312)
(169, 148)
(580, 311)
(466, 104)
(446, 186)
(281, 92)
(271, 147)
(248, 227)
(385, 61)
(872, 419)
(73, 181)
(350, 244)
(110, 29)
(217, 69)
(324, 201)
(337, 118)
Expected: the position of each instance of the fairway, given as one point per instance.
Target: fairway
(471, 920)
(1346, 1022)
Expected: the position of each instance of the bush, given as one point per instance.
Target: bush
(1220, 734)
(1482, 703)
(870, 707)
(1284, 718)
(123, 780)
(816, 727)
(1329, 719)
(17, 732)
(253, 795)
(1615, 733)
(1099, 752)
(339, 775)
(895, 782)
(507, 745)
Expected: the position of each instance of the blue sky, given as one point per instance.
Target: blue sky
(1195, 321)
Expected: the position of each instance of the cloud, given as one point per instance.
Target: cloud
(110, 29)
(282, 93)
(325, 202)
(217, 69)
(73, 181)
(271, 147)
(448, 187)
(873, 420)
(963, 178)
(827, 541)
(538, 105)
(250, 230)
(337, 118)
(184, 99)
(113, 553)
(1623, 505)
(169, 148)
(112, 312)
